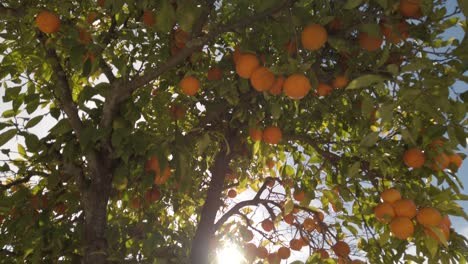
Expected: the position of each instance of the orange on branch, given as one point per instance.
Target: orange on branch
(189, 85)
(324, 89)
(340, 81)
(214, 74)
(284, 253)
(428, 217)
(262, 79)
(395, 33)
(384, 212)
(152, 195)
(180, 38)
(246, 64)
(262, 252)
(369, 43)
(148, 18)
(410, 8)
(273, 258)
(341, 249)
(313, 37)
(232, 193)
(135, 203)
(270, 163)
(255, 134)
(295, 244)
(48, 22)
(85, 36)
(390, 196)
(405, 208)
(236, 54)
(444, 229)
(299, 195)
(414, 158)
(277, 86)
(309, 224)
(272, 135)
(91, 17)
(289, 219)
(440, 162)
(267, 225)
(322, 253)
(456, 159)
(402, 227)
(297, 86)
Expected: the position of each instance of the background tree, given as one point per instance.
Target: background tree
(335, 122)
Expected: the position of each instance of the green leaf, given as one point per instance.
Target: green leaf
(370, 139)
(9, 113)
(34, 121)
(21, 150)
(62, 127)
(166, 17)
(351, 4)
(365, 81)
(7, 135)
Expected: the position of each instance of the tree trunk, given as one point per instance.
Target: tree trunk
(95, 196)
(205, 231)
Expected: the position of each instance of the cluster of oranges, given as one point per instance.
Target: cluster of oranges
(416, 158)
(399, 213)
(271, 135)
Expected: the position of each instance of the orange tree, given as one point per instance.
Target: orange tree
(338, 119)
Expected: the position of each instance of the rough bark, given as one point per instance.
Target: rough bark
(206, 227)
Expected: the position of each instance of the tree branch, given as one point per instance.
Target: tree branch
(29, 175)
(8, 11)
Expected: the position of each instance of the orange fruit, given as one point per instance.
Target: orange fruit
(296, 86)
(437, 143)
(322, 253)
(255, 134)
(262, 79)
(324, 89)
(148, 18)
(440, 162)
(91, 17)
(395, 33)
(414, 158)
(135, 203)
(456, 159)
(267, 225)
(153, 165)
(309, 224)
(270, 163)
(384, 212)
(313, 37)
(177, 112)
(101, 3)
(232, 193)
(236, 54)
(446, 221)
(341, 249)
(60, 208)
(272, 135)
(247, 235)
(410, 8)
(405, 208)
(214, 74)
(284, 253)
(277, 86)
(161, 179)
(273, 258)
(250, 249)
(428, 217)
(295, 244)
(335, 24)
(246, 64)
(189, 85)
(152, 195)
(85, 36)
(270, 182)
(299, 195)
(320, 216)
(368, 42)
(289, 219)
(180, 37)
(390, 195)
(262, 252)
(402, 227)
(340, 81)
(47, 22)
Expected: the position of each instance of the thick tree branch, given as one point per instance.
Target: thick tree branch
(124, 89)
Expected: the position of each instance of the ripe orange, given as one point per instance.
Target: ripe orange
(456, 159)
(236, 54)
(267, 225)
(60, 208)
(410, 8)
(309, 224)
(368, 42)
(273, 258)
(289, 219)
(384, 212)
(402, 227)
(180, 37)
(101, 3)
(324, 89)
(405, 208)
(262, 79)
(295, 244)
(299, 195)
(91, 17)
(247, 235)
(255, 134)
(429, 217)
(153, 165)
(160, 179)
(313, 37)
(262, 252)
(437, 143)
(277, 86)
(323, 253)
(341, 249)
(148, 18)
(246, 64)
(319, 216)
(270, 163)
(177, 112)
(232, 193)
(390, 196)
(152, 195)
(296, 86)
(284, 253)
(189, 85)
(214, 74)
(414, 158)
(446, 221)
(340, 81)
(135, 203)
(395, 33)
(85, 36)
(47, 22)
(272, 135)
(440, 162)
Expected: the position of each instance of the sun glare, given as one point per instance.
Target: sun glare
(230, 254)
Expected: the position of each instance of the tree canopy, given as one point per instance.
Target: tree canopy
(313, 131)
